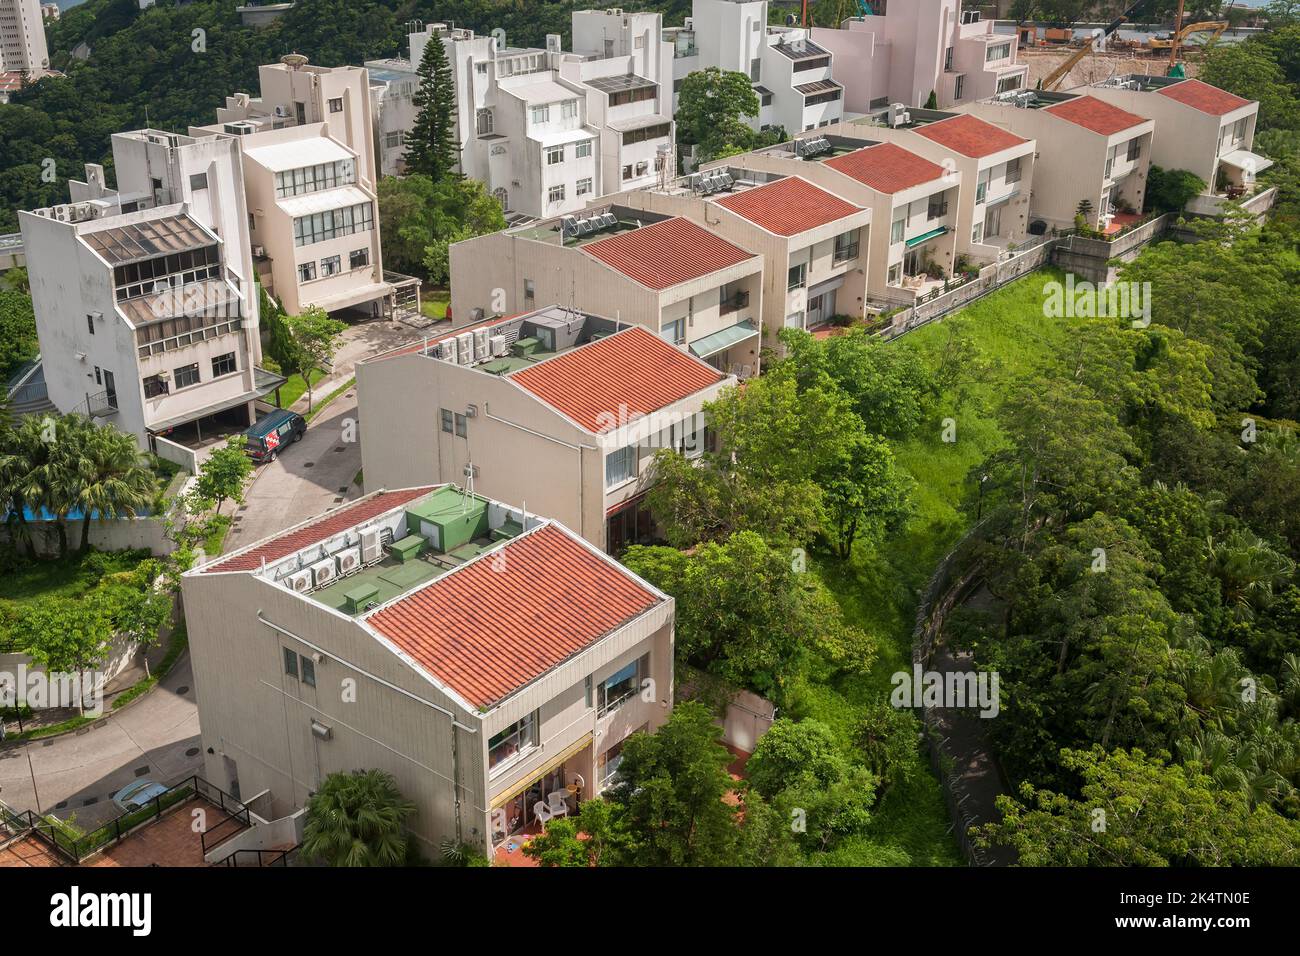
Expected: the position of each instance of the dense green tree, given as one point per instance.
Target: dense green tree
(223, 474)
(357, 819)
(714, 107)
(432, 145)
(112, 479)
(315, 339)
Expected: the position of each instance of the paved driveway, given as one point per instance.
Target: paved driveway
(77, 774)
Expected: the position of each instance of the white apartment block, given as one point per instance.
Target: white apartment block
(663, 272)
(994, 167)
(913, 48)
(557, 408)
(489, 659)
(791, 73)
(545, 130)
(145, 303)
(1087, 150)
(811, 239)
(1201, 129)
(309, 170)
(22, 39)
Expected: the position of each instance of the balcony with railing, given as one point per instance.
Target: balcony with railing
(734, 303)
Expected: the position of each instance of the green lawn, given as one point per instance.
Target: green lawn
(879, 592)
(434, 304)
(295, 388)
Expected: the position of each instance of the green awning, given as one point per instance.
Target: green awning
(721, 341)
(926, 236)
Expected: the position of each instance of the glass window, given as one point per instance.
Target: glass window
(462, 426)
(1013, 170)
(154, 386)
(797, 276)
(569, 109)
(186, 375)
(223, 365)
(583, 187)
(336, 104)
(358, 258)
(306, 271)
(506, 747)
(308, 670)
(554, 155)
(896, 230)
(674, 332)
(330, 266)
(446, 420)
(291, 663)
(199, 181)
(540, 114)
(483, 121)
(620, 687)
(619, 465)
(555, 194)
(582, 150)
(1134, 149)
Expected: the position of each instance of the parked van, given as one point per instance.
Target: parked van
(272, 432)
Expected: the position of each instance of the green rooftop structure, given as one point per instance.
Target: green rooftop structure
(449, 518)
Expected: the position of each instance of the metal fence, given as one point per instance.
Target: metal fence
(77, 847)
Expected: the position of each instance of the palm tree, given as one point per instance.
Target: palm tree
(111, 477)
(356, 819)
(1249, 569)
(24, 451)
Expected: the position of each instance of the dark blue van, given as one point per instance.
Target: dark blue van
(272, 432)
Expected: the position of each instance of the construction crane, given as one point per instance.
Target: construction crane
(1054, 79)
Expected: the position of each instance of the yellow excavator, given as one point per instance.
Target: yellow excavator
(1215, 29)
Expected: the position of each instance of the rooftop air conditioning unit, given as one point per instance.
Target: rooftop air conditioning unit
(372, 546)
(448, 348)
(299, 581)
(498, 344)
(323, 572)
(465, 347)
(282, 111)
(480, 344)
(349, 560)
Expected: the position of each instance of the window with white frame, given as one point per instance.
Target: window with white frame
(330, 266)
(554, 155)
(797, 277)
(508, 745)
(569, 109)
(620, 465)
(583, 187)
(483, 122)
(895, 273)
(582, 150)
(999, 51)
(897, 229)
(540, 114)
(555, 194)
(621, 686)
(674, 332)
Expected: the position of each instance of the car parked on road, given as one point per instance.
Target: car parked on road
(272, 432)
(136, 795)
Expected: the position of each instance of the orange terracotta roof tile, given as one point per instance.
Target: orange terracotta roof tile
(634, 370)
(667, 253)
(1096, 115)
(331, 524)
(886, 167)
(504, 620)
(789, 206)
(1204, 97)
(970, 136)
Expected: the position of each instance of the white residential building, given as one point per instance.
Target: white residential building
(546, 130)
(22, 38)
(309, 171)
(145, 303)
(791, 73)
(913, 48)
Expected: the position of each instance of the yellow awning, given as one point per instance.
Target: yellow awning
(542, 771)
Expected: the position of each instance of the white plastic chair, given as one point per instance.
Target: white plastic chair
(542, 813)
(558, 803)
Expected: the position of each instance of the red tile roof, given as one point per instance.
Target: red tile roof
(667, 253)
(789, 206)
(334, 522)
(1096, 115)
(886, 167)
(1204, 97)
(971, 136)
(504, 620)
(633, 370)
